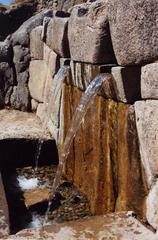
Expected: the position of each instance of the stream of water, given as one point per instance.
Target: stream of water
(49, 102)
(85, 103)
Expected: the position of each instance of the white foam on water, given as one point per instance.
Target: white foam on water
(27, 184)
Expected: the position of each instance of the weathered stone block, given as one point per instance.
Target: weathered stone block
(88, 33)
(57, 34)
(126, 83)
(23, 77)
(111, 226)
(45, 25)
(6, 83)
(36, 44)
(149, 81)
(147, 127)
(21, 58)
(5, 52)
(38, 71)
(20, 98)
(51, 59)
(152, 206)
(82, 74)
(133, 28)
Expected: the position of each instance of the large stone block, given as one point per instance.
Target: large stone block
(51, 59)
(36, 44)
(57, 34)
(149, 81)
(147, 127)
(152, 206)
(88, 33)
(38, 71)
(5, 52)
(112, 226)
(126, 83)
(133, 28)
(20, 98)
(6, 83)
(21, 58)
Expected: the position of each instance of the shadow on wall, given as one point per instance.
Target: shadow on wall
(22, 152)
(12, 19)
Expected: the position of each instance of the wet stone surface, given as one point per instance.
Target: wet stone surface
(68, 203)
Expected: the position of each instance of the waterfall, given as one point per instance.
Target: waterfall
(85, 103)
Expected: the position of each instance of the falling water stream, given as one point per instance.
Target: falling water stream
(85, 102)
(49, 102)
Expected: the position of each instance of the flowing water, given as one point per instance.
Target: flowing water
(49, 102)
(85, 102)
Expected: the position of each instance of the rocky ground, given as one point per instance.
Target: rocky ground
(68, 204)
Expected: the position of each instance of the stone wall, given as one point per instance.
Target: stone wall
(114, 155)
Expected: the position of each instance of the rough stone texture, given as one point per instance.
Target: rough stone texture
(35, 196)
(6, 83)
(21, 58)
(126, 83)
(4, 215)
(20, 125)
(21, 36)
(45, 26)
(104, 162)
(146, 121)
(38, 72)
(57, 34)
(36, 44)
(133, 28)
(82, 74)
(88, 34)
(111, 226)
(152, 206)
(67, 5)
(122, 84)
(50, 58)
(149, 81)
(5, 52)
(20, 98)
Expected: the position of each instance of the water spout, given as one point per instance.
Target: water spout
(85, 103)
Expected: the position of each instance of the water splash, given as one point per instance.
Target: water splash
(85, 103)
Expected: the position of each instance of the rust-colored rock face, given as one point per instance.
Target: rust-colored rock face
(104, 161)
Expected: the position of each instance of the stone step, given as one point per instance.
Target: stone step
(116, 226)
(21, 125)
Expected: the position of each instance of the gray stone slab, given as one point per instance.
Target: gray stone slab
(21, 125)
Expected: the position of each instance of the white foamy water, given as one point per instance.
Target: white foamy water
(27, 184)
